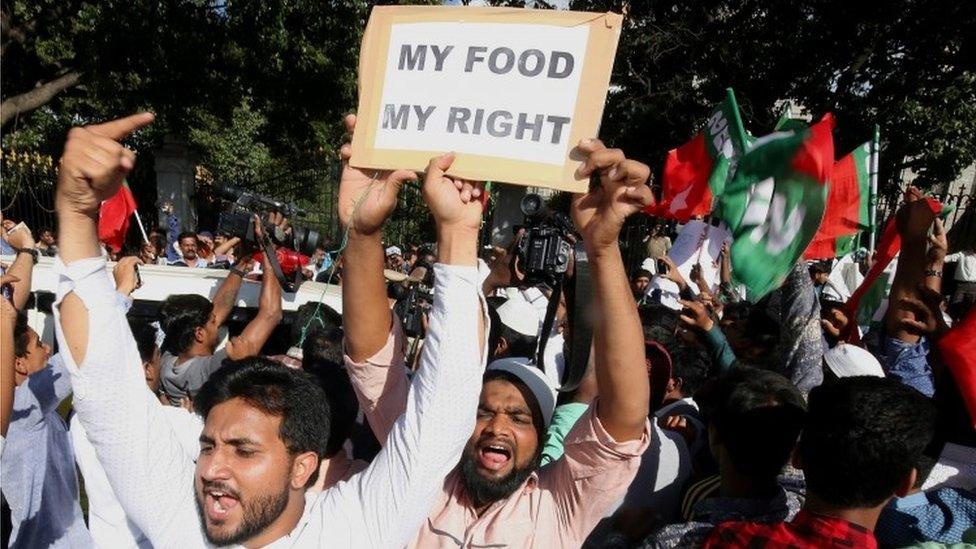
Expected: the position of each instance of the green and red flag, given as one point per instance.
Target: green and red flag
(114, 216)
(697, 172)
(848, 206)
(775, 202)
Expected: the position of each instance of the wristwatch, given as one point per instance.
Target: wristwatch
(238, 272)
(29, 251)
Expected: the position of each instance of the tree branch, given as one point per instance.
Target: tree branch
(30, 100)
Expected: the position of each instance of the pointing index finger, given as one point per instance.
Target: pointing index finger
(121, 128)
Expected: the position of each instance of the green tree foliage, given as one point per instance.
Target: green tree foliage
(907, 65)
(255, 87)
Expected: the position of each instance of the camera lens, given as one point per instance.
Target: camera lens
(306, 240)
(531, 205)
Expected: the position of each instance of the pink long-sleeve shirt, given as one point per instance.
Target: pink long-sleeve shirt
(557, 506)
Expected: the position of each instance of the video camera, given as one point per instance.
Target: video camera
(545, 248)
(237, 221)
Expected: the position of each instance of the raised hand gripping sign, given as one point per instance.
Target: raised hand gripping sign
(510, 91)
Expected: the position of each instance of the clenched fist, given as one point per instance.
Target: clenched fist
(94, 164)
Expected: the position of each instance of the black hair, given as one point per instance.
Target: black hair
(186, 234)
(343, 406)
(691, 364)
(519, 344)
(46, 230)
(21, 335)
(641, 273)
(862, 438)
(180, 316)
(819, 267)
(294, 396)
(314, 316)
(145, 335)
(659, 323)
(757, 416)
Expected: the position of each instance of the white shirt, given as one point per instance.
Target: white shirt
(107, 523)
(965, 267)
(383, 506)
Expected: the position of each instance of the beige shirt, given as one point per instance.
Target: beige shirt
(557, 506)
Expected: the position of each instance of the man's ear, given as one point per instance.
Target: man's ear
(20, 366)
(502, 346)
(907, 483)
(198, 334)
(302, 469)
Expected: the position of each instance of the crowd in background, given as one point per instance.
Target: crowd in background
(719, 422)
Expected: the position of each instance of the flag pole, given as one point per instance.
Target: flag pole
(873, 204)
(142, 229)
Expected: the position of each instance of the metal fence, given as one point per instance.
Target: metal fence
(27, 188)
(960, 221)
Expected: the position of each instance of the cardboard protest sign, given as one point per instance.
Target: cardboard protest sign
(510, 91)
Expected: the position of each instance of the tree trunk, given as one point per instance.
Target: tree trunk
(30, 100)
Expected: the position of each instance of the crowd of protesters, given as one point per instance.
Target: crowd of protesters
(718, 423)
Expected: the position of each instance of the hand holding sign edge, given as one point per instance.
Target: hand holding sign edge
(367, 198)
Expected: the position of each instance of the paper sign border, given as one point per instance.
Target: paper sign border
(594, 83)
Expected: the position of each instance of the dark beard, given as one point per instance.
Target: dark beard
(482, 491)
(258, 514)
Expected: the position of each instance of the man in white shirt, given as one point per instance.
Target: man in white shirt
(964, 296)
(108, 524)
(260, 450)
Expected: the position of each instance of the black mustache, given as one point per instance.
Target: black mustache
(216, 486)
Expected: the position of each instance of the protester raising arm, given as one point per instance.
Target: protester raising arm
(22, 241)
(903, 353)
(618, 350)
(422, 444)
(148, 470)
(366, 200)
(259, 329)
(8, 319)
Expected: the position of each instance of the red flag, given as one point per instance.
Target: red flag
(113, 218)
(686, 173)
(847, 206)
(958, 349)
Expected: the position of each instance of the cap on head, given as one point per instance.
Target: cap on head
(534, 379)
(519, 315)
(847, 360)
(393, 250)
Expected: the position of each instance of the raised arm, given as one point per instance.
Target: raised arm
(399, 487)
(136, 445)
(913, 221)
(227, 246)
(23, 266)
(8, 318)
(259, 329)
(366, 200)
(618, 341)
(226, 296)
